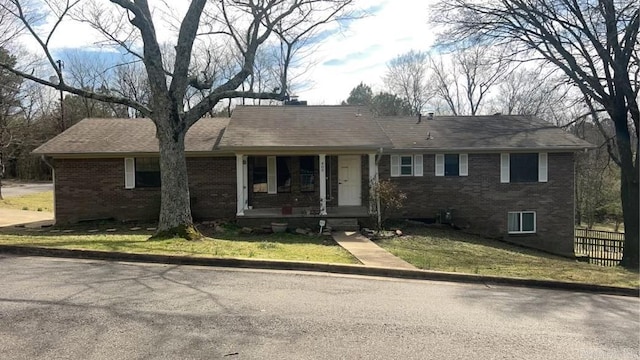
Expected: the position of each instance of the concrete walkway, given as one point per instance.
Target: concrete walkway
(11, 217)
(368, 252)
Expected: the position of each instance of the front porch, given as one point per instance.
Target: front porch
(304, 186)
(307, 212)
(338, 218)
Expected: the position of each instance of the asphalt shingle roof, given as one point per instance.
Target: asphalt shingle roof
(115, 136)
(257, 127)
(493, 132)
(317, 128)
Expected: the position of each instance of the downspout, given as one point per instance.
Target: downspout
(53, 178)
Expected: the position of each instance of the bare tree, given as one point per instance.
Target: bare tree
(537, 92)
(130, 81)
(464, 82)
(407, 76)
(447, 89)
(595, 44)
(9, 107)
(596, 195)
(132, 26)
(10, 28)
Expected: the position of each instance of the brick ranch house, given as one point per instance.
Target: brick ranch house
(510, 177)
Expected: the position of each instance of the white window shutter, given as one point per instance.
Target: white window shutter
(504, 168)
(272, 175)
(395, 165)
(417, 165)
(464, 165)
(542, 167)
(439, 164)
(129, 173)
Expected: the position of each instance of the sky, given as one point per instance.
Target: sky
(360, 53)
(357, 53)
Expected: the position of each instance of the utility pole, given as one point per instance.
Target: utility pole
(63, 126)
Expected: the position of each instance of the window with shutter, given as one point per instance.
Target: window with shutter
(451, 165)
(523, 167)
(147, 172)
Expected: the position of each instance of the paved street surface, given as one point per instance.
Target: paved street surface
(75, 309)
(12, 188)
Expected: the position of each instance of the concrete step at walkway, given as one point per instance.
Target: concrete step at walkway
(368, 252)
(343, 224)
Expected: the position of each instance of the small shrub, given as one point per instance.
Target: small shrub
(25, 208)
(387, 197)
(39, 209)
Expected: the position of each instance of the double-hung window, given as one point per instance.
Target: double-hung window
(523, 167)
(271, 174)
(141, 172)
(452, 165)
(406, 165)
(521, 222)
(307, 178)
(259, 174)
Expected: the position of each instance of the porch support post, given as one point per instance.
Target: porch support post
(323, 183)
(373, 179)
(245, 182)
(239, 185)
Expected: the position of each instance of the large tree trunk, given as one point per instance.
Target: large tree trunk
(175, 209)
(630, 210)
(629, 193)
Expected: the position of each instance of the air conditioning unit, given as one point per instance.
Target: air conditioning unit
(445, 216)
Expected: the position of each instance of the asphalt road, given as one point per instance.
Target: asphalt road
(11, 188)
(74, 309)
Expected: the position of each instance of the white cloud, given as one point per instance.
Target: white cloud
(365, 49)
(342, 61)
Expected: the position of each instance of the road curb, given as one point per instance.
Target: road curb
(319, 267)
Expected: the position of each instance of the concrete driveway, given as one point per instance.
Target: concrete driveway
(11, 217)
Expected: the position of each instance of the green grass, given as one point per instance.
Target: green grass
(35, 202)
(229, 244)
(453, 251)
(603, 226)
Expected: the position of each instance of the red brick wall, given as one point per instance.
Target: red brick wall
(481, 202)
(212, 187)
(89, 189)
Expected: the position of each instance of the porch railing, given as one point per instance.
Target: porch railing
(603, 248)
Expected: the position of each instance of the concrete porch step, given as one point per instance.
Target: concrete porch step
(343, 224)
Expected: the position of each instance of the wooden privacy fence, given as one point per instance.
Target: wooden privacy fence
(600, 247)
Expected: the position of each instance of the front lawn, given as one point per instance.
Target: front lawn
(453, 251)
(229, 244)
(35, 202)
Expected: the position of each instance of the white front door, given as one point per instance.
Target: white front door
(349, 181)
